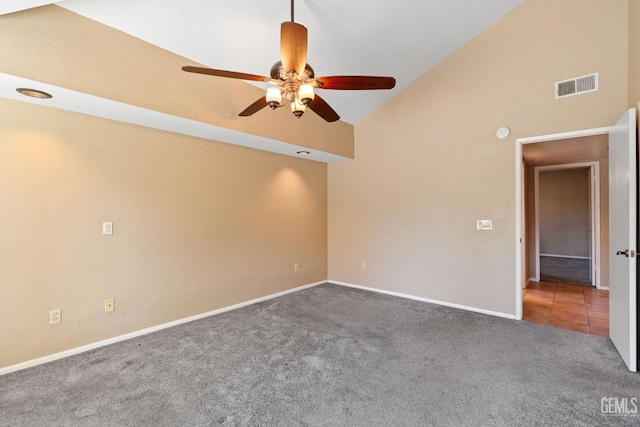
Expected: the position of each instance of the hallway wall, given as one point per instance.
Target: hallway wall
(564, 212)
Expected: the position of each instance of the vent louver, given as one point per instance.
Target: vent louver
(577, 86)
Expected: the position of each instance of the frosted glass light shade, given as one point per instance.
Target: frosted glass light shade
(274, 97)
(306, 94)
(298, 108)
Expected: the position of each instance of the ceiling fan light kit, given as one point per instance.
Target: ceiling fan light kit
(294, 80)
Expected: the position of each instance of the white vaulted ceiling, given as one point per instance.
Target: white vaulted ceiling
(380, 38)
(375, 37)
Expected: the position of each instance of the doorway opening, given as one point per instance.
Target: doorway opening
(581, 154)
(566, 216)
(621, 208)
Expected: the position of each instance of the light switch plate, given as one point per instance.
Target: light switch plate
(107, 228)
(485, 224)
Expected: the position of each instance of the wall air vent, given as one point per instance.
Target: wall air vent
(577, 86)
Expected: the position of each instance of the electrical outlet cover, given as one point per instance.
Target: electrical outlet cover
(54, 317)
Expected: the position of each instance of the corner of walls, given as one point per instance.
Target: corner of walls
(77, 350)
(428, 164)
(197, 225)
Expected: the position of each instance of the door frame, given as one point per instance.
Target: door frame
(594, 214)
(520, 193)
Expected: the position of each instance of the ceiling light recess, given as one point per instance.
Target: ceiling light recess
(33, 93)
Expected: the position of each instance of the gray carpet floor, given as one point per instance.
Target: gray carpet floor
(565, 270)
(331, 356)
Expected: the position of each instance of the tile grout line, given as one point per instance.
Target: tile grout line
(553, 301)
(556, 292)
(584, 304)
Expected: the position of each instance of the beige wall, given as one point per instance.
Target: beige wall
(198, 225)
(201, 225)
(564, 212)
(634, 53)
(428, 164)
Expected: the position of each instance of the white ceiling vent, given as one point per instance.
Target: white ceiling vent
(577, 86)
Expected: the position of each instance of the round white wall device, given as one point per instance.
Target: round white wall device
(503, 133)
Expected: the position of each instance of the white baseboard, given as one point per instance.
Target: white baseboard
(84, 348)
(432, 301)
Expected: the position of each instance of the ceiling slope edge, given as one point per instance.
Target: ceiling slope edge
(82, 103)
(89, 58)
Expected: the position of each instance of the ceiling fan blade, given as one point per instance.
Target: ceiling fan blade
(324, 110)
(223, 73)
(293, 47)
(356, 82)
(255, 107)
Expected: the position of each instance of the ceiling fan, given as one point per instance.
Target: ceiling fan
(294, 79)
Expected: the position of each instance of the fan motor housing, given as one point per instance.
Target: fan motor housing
(278, 73)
